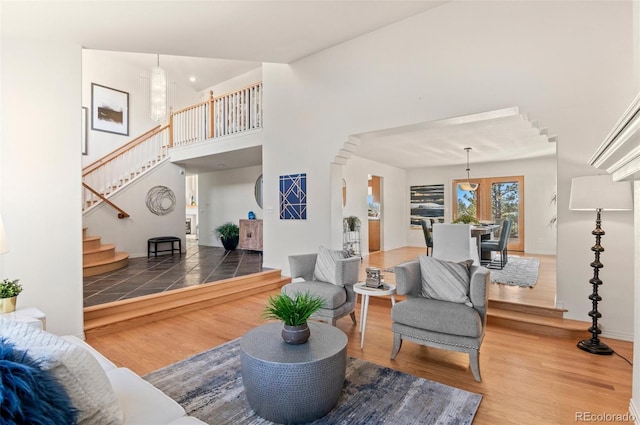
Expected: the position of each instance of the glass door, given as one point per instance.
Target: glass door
(496, 199)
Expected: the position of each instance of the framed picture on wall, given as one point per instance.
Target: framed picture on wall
(427, 202)
(109, 110)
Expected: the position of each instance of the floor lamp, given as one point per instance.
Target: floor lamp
(598, 193)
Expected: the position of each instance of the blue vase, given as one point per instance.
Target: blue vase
(252, 216)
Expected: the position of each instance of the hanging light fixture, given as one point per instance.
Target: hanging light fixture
(468, 185)
(158, 92)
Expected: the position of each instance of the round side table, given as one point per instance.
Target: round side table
(287, 383)
(366, 292)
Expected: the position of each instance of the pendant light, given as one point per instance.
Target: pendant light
(158, 92)
(468, 185)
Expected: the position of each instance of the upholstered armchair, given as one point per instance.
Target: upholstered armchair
(330, 276)
(446, 306)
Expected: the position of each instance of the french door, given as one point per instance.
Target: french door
(496, 199)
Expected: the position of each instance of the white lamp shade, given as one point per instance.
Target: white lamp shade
(158, 93)
(590, 193)
(468, 186)
(4, 246)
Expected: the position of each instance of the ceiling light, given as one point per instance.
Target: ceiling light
(468, 185)
(192, 79)
(158, 92)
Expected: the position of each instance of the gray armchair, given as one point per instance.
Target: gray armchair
(442, 324)
(340, 300)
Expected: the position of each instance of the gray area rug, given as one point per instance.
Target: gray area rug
(519, 271)
(209, 387)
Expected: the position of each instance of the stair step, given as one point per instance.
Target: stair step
(90, 243)
(537, 324)
(103, 252)
(118, 261)
(118, 315)
(527, 308)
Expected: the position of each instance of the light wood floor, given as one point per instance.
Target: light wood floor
(542, 294)
(527, 379)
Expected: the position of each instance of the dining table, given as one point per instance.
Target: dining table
(483, 231)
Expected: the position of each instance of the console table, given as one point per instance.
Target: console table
(250, 235)
(287, 383)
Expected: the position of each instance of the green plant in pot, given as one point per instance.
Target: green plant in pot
(353, 222)
(294, 313)
(9, 290)
(466, 219)
(228, 233)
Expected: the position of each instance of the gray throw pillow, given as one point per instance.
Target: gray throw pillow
(325, 270)
(445, 280)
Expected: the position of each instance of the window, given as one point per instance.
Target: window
(496, 199)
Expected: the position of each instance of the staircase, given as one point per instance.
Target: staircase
(100, 258)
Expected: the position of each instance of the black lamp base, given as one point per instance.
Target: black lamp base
(595, 347)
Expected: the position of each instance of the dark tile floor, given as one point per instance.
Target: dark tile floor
(145, 276)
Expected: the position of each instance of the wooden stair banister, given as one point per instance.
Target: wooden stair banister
(121, 213)
(122, 149)
(215, 117)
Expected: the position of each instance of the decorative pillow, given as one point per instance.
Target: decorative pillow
(74, 367)
(29, 394)
(325, 270)
(445, 280)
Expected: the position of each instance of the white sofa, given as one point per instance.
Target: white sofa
(121, 398)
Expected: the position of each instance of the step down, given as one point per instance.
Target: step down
(119, 315)
(538, 324)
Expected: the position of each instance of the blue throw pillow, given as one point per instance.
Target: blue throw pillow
(28, 394)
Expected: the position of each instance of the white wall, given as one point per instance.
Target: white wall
(120, 71)
(225, 196)
(460, 58)
(130, 234)
(40, 177)
(539, 186)
(233, 84)
(394, 203)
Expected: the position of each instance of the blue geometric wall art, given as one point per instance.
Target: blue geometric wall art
(293, 197)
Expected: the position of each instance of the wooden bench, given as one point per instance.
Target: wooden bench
(163, 239)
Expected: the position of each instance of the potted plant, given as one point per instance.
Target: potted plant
(466, 219)
(228, 233)
(9, 290)
(294, 313)
(353, 222)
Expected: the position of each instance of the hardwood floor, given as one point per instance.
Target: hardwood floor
(527, 379)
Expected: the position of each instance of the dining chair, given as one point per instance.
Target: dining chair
(428, 238)
(499, 245)
(453, 242)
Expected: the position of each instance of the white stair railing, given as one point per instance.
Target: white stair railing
(114, 171)
(229, 114)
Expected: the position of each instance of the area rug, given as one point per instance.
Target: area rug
(209, 387)
(519, 271)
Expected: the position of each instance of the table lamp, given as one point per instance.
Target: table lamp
(598, 193)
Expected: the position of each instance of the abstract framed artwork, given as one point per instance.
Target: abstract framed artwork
(427, 201)
(293, 197)
(109, 110)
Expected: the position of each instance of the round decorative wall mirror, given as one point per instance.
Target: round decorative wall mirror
(258, 191)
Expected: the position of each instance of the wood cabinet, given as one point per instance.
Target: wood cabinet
(374, 235)
(250, 235)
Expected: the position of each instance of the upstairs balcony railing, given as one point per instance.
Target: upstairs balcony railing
(216, 117)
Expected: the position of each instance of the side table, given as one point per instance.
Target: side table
(366, 292)
(29, 315)
(287, 383)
